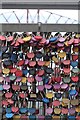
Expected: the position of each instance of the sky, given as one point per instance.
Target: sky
(73, 14)
(68, 13)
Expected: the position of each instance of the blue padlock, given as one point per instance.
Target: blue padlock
(71, 118)
(1, 87)
(45, 100)
(14, 57)
(72, 92)
(32, 117)
(23, 110)
(8, 110)
(74, 63)
(25, 71)
(9, 115)
(53, 39)
(31, 110)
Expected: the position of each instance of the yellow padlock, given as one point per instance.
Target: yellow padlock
(6, 71)
(62, 54)
(26, 39)
(49, 95)
(23, 79)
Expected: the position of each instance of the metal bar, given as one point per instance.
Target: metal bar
(51, 13)
(5, 18)
(44, 27)
(16, 16)
(9, 16)
(38, 15)
(67, 20)
(48, 17)
(18, 4)
(27, 15)
(76, 21)
(58, 19)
